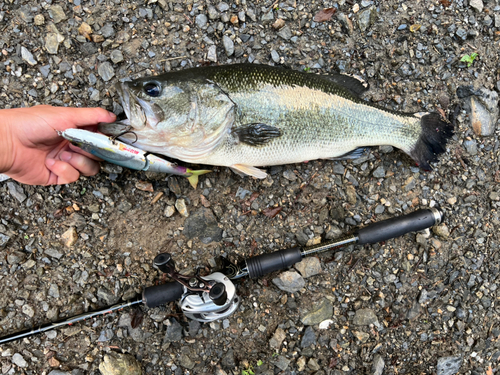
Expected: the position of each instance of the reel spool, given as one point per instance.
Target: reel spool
(220, 302)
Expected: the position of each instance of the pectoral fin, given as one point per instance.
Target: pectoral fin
(256, 134)
(247, 170)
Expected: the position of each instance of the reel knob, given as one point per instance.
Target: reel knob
(218, 294)
(164, 263)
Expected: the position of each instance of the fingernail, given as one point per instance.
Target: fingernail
(111, 114)
(50, 162)
(66, 156)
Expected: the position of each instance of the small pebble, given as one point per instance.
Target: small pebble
(228, 45)
(379, 172)
(28, 56)
(52, 42)
(378, 365)
(275, 56)
(28, 310)
(212, 53)
(309, 338)
(57, 14)
(18, 360)
(441, 230)
(169, 211)
(69, 237)
(201, 20)
(106, 71)
(180, 205)
(51, 334)
(116, 56)
(39, 20)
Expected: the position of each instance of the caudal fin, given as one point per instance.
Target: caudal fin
(435, 133)
(193, 179)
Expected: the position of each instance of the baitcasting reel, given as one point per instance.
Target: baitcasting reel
(204, 298)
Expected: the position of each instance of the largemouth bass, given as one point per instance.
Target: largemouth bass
(244, 116)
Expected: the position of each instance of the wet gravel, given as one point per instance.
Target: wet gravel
(425, 303)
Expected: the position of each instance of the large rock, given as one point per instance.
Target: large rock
(289, 281)
(378, 365)
(308, 267)
(366, 18)
(482, 108)
(449, 365)
(477, 5)
(309, 338)
(16, 191)
(203, 225)
(120, 364)
(277, 339)
(365, 317)
(321, 312)
(174, 331)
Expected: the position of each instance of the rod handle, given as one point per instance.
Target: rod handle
(397, 226)
(157, 295)
(266, 263)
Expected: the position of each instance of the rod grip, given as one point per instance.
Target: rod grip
(397, 226)
(157, 295)
(266, 263)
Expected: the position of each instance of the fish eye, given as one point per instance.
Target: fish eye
(152, 89)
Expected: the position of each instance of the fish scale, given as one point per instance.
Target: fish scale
(316, 124)
(243, 116)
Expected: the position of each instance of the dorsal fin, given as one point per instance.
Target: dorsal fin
(354, 85)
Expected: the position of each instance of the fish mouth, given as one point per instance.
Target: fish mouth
(140, 113)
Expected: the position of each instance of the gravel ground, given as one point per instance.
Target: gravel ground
(424, 303)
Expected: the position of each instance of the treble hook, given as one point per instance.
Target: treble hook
(115, 137)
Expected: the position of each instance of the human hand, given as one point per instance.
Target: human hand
(32, 152)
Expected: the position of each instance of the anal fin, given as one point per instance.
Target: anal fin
(354, 154)
(247, 170)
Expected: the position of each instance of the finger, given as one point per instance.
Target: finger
(61, 172)
(88, 116)
(81, 163)
(77, 149)
(90, 128)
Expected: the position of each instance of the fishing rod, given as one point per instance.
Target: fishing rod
(213, 297)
